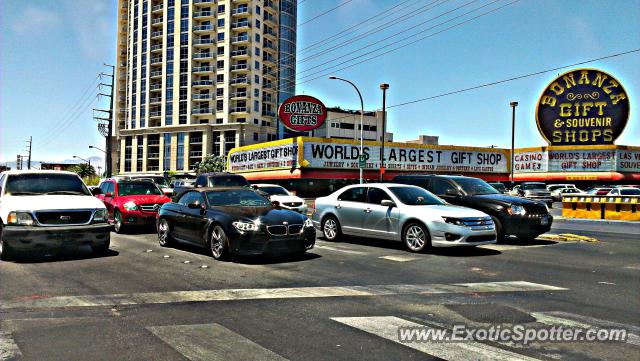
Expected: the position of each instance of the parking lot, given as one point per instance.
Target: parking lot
(340, 301)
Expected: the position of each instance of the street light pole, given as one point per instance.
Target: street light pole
(86, 160)
(513, 105)
(93, 147)
(384, 87)
(360, 153)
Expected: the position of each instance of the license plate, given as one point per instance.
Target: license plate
(544, 220)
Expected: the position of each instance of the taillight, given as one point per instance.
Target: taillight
(313, 204)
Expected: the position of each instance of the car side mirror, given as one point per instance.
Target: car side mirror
(387, 203)
(96, 191)
(452, 192)
(254, 186)
(108, 195)
(194, 205)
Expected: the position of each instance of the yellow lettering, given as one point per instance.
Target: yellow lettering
(616, 98)
(557, 136)
(584, 136)
(596, 134)
(607, 122)
(586, 106)
(558, 123)
(564, 112)
(608, 135)
(570, 137)
(600, 78)
(569, 81)
(600, 105)
(584, 79)
(612, 84)
(557, 88)
(548, 100)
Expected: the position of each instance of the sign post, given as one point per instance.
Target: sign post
(362, 162)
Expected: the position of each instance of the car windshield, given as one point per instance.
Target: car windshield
(161, 181)
(415, 196)
(274, 191)
(236, 198)
(498, 186)
(228, 181)
(45, 183)
(533, 186)
(137, 188)
(630, 192)
(475, 186)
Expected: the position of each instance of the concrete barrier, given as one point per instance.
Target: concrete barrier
(623, 208)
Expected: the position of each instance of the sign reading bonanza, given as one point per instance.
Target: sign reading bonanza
(582, 107)
(302, 113)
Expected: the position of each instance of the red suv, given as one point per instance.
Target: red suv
(130, 202)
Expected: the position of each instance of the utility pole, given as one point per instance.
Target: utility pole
(513, 134)
(109, 119)
(19, 162)
(30, 141)
(384, 87)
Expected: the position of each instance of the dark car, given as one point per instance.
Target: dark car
(513, 216)
(234, 221)
(214, 180)
(499, 187)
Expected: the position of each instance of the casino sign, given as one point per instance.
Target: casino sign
(582, 107)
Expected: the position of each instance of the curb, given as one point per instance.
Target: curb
(593, 221)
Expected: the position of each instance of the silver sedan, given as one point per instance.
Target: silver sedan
(402, 213)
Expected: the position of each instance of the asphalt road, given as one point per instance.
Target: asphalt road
(343, 301)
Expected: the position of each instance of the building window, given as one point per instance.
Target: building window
(257, 51)
(220, 105)
(257, 10)
(256, 106)
(166, 163)
(127, 153)
(257, 24)
(256, 121)
(220, 9)
(258, 38)
(219, 120)
(140, 148)
(220, 78)
(257, 65)
(256, 93)
(255, 136)
(256, 78)
(220, 92)
(216, 142)
(180, 152)
(221, 50)
(220, 36)
(220, 64)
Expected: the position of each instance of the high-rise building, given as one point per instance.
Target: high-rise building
(199, 77)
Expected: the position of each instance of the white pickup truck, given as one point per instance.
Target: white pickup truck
(49, 209)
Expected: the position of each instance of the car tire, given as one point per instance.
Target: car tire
(499, 229)
(416, 237)
(101, 249)
(6, 253)
(118, 225)
(164, 233)
(218, 243)
(331, 230)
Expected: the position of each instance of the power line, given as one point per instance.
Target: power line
(325, 13)
(88, 101)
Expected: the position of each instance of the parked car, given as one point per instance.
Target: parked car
(213, 180)
(553, 187)
(628, 186)
(401, 213)
(279, 194)
(234, 221)
(624, 191)
(513, 216)
(131, 202)
(499, 187)
(159, 180)
(49, 209)
(558, 193)
(599, 191)
(534, 190)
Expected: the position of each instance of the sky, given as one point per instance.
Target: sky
(52, 50)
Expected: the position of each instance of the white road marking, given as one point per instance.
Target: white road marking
(272, 293)
(212, 342)
(329, 248)
(400, 258)
(8, 348)
(387, 327)
(509, 247)
(579, 321)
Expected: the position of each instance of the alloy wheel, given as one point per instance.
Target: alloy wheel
(330, 229)
(415, 238)
(163, 232)
(217, 242)
(118, 224)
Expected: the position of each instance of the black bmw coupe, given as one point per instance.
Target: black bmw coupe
(234, 221)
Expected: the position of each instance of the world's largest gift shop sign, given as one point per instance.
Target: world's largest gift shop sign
(322, 153)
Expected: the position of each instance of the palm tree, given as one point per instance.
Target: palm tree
(84, 170)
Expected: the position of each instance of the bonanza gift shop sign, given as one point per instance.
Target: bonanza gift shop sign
(582, 107)
(302, 113)
(586, 160)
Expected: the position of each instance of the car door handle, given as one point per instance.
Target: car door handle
(368, 210)
(338, 206)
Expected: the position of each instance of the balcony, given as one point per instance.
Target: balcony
(237, 110)
(240, 39)
(156, 34)
(203, 42)
(153, 155)
(153, 142)
(155, 100)
(268, 99)
(269, 46)
(195, 154)
(202, 111)
(203, 28)
(155, 61)
(155, 87)
(155, 114)
(268, 113)
(240, 25)
(269, 32)
(202, 69)
(124, 18)
(240, 53)
(239, 81)
(206, 55)
(205, 83)
(270, 19)
(203, 2)
(202, 97)
(240, 94)
(240, 11)
(155, 74)
(203, 14)
(157, 21)
(240, 67)
(270, 6)
(156, 47)
(195, 140)
(269, 74)
(268, 58)
(157, 8)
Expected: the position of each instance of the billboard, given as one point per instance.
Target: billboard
(302, 113)
(582, 107)
(622, 159)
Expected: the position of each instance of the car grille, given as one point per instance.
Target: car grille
(485, 238)
(292, 204)
(151, 207)
(63, 217)
(284, 230)
(479, 224)
(536, 210)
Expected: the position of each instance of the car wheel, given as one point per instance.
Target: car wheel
(218, 243)
(416, 237)
(164, 233)
(118, 226)
(6, 252)
(331, 228)
(101, 249)
(499, 231)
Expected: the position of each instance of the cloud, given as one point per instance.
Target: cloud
(35, 20)
(91, 23)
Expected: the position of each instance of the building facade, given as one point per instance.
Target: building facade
(199, 77)
(345, 124)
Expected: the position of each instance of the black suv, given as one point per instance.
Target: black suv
(213, 180)
(513, 216)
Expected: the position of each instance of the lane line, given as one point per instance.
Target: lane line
(400, 258)
(212, 342)
(388, 327)
(9, 350)
(329, 248)
(272, 293)
(558, 318)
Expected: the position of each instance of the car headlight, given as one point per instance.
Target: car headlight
(243, 226)
(100, 216)
(130, 206)
(454, 221)
(516, 210)
(20, 219)
(308, 223)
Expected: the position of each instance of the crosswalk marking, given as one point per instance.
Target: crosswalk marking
(387, 327)
(8, 348)
(212, 342)
(577, 321)
(272, 293)
(400, 258)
